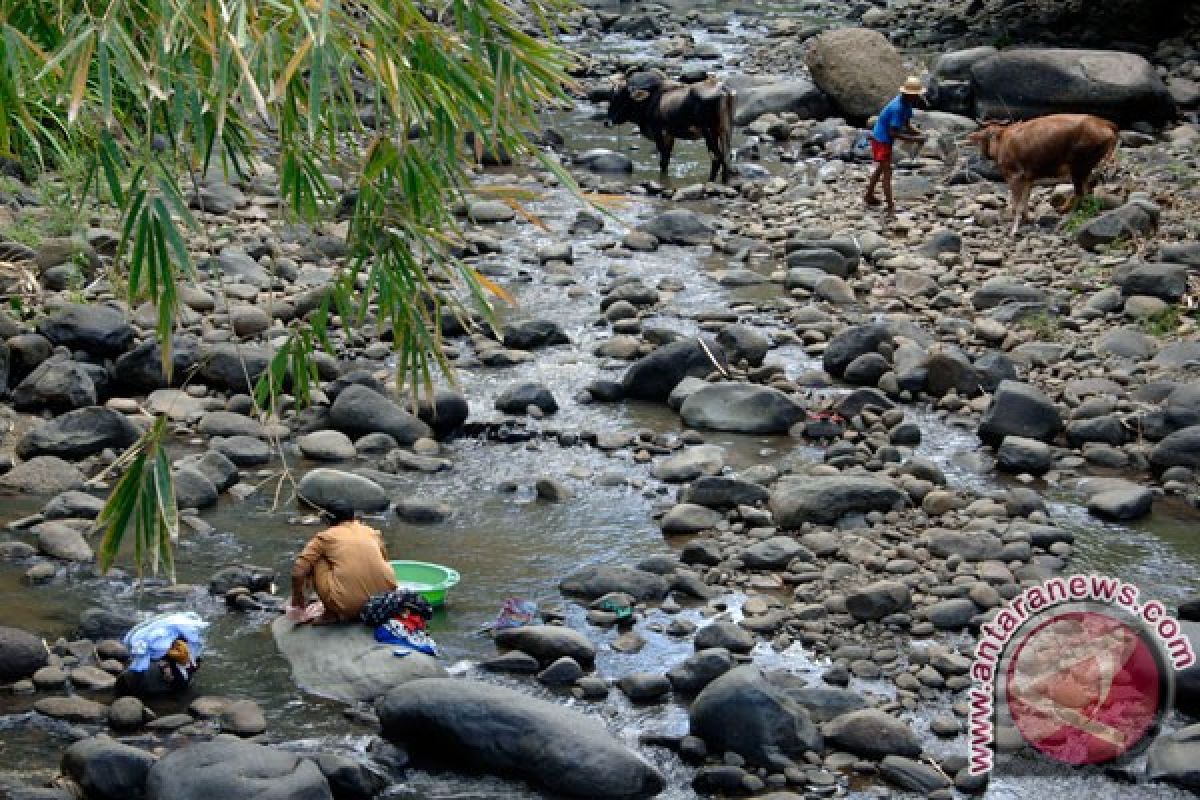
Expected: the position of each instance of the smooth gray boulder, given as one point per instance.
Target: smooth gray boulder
(1175, 759)
(872, 733)
(826, 498)
(1019, 409)
(78, 434)
(230, 768)
(93, 328)
(21, 654)
(106, 769)
(858, 68)
(742, 712)
(597, 581)
(547, 643)
(799, 97)
(741, 408)
(344, 662)
(653, 376)
(1020, 83)
(481, 727)
(359, 410)
(326, 488)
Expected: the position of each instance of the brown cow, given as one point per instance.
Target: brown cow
(1054, 146)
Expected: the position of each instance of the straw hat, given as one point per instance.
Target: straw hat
(913, 86)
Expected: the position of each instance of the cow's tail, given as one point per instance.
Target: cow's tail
(728, 101)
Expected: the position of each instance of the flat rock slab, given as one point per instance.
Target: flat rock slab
(344, 662)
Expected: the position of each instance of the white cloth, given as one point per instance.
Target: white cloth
(151, 640)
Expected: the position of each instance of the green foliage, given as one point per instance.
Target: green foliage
(142, 501)
(1164, 322)
(1045, 327)
(1089, 208)
(138, 101)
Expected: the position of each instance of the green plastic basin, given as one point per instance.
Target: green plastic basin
(431, 581)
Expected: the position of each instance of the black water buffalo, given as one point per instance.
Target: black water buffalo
(666, 111)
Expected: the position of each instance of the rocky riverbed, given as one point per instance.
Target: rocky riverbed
(812, 446)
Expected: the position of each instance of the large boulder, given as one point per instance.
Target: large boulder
(345, 663)
(872, 733)
(58, 385)
(106, 769)
(21, 654)
(742, 712)
(548, 643)
(141, 369)
(741, 408)
(359, 411)
(234, 367)
(43, 475)
(1179, 449)
(94, 329)
(878, 600)
(229, 768)
(78, 434)
(851, 343)
(858, 68)
(653, 376)
(826, 498)
(597, 581)
(1131, 221)
(798, 96)
(1030, 82)
(330, 488)
(477, 726)
(1019, 409)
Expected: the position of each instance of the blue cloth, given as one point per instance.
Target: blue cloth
(895, 116)
(151, 640)
(394, 632)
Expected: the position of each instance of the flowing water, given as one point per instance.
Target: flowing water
(507, 543)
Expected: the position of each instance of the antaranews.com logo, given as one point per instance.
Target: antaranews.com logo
(1079, 667)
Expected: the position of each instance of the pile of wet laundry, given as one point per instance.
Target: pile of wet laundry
(399, 618)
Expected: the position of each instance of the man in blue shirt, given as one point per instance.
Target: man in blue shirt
(894, 122)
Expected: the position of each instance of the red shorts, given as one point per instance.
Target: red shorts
(880, 151)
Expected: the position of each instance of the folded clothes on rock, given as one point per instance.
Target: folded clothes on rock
(154, 638)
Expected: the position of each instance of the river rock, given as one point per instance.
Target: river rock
(533, 334)
(951, 614)
(725, 635)
(349, 779)
(72, 709)
(244, 451)
(344, 662)
(99, 623)
(604, 161)
(516, 399)
(326, 446)
(690, 463)
(872, 733)
(73, 505)
(94, 329)
(235, 368)
(126, 714)
(688, 518)
(226, 767)
(59, 385)
(327, 488)
(1179, 449)
(826, 498)
(1031, 82)
(228, 423)
(1020, 454)
(547, 643)
(912, 775)
(1175, 758)
(43, 475)
(679, 226)
(774, 553)
(62, 541)
(1133, 502)
(644, 687)
(140, 369)
(851, 343)
(597, 581)
(797, 96)
(445, 412)
(21, 654)
(742, 712)
(878, 600)
(741, 408)
(78, 434)
(106, 769)
(500, 731)
(359, 410)
(1019, 409)
(242, 718)
(858, 68)
(1130, 221)
(1165, 281)
(653, 376)
(700, 669)
(744, 342)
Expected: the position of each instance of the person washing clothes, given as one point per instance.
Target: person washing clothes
(346, 565)
(894, 122)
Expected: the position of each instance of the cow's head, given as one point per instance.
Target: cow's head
(987, 138)
(630, 96)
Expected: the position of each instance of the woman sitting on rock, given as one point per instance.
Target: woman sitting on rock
(346, 564)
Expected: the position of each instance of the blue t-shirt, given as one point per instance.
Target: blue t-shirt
(895, 114)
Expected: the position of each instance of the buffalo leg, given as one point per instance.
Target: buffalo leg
(720, 157)
(1019, 195)
(666, 143)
